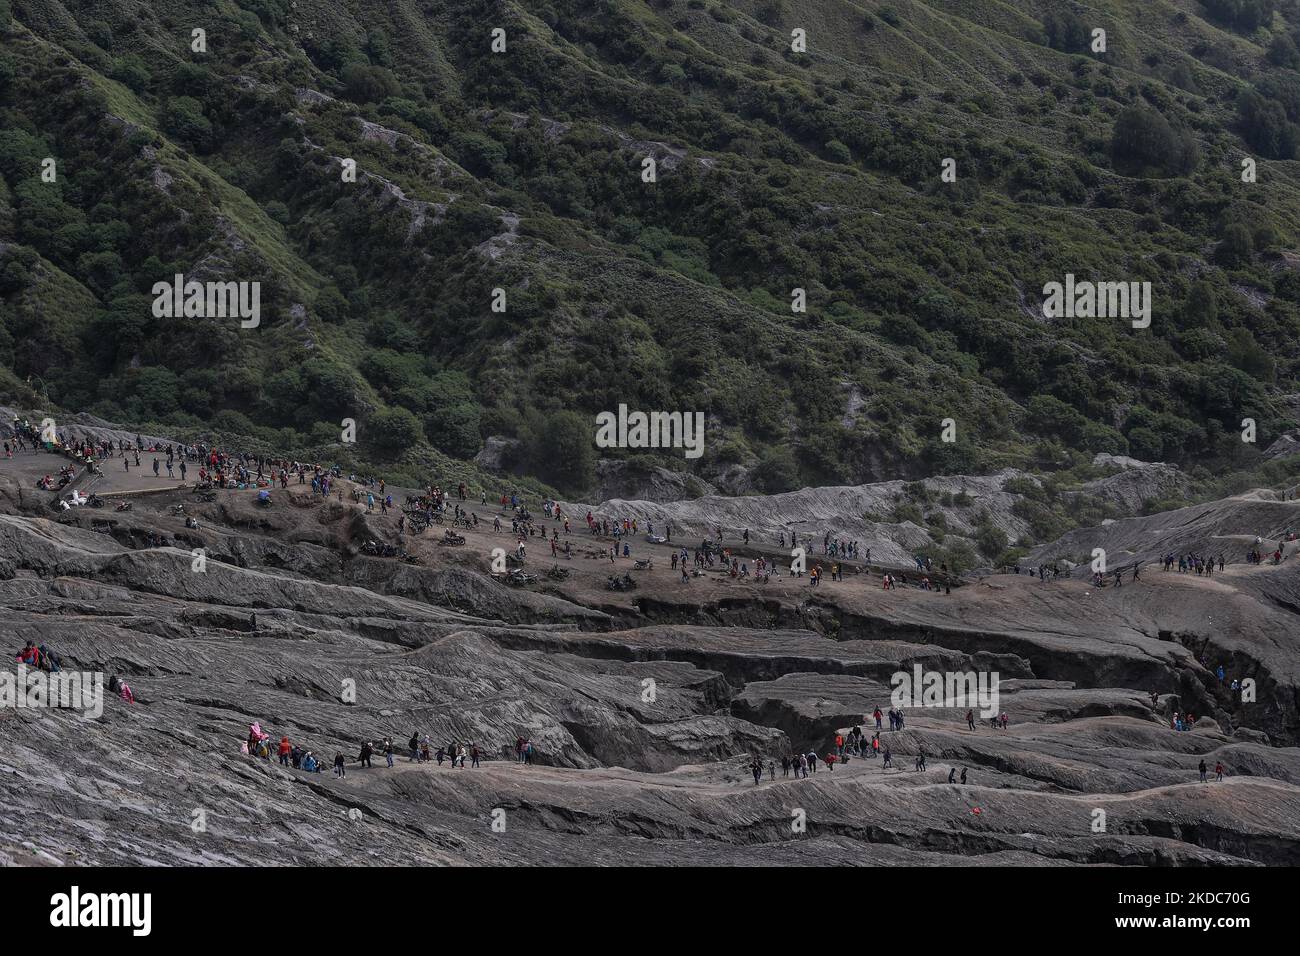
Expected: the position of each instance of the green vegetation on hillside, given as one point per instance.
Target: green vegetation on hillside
(777, 170)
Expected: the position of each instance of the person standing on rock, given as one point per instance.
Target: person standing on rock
(1203, 769)
(473, 755)
(1218, 770)
(364, 757)
(785, 766)
(340, 770)
(284, 751)
(756, 768)
(889, 759)
(970, 719)
(388, 750)
(803, 766)
(771, 770)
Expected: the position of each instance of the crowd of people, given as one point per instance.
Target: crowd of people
(846, 747)
(1201, 564)
(419, 750)
(221, 468)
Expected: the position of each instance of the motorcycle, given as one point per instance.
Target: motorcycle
(123, 506)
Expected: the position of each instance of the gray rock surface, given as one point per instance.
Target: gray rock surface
(852, 512)
(1136, 482)
(644, 707)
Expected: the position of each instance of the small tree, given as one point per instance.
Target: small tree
(392, 430)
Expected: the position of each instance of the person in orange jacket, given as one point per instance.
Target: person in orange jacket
(839, 743)
(284, 750)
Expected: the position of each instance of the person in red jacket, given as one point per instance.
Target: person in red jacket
(285, 748)
(830, 761)
(30, 655)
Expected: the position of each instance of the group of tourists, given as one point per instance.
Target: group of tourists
(1258, 555)
(835, 548)
(40, 658)
(418, 750)
(855, 744)
(1200, 563)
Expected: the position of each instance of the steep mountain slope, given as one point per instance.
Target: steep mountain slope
(776, 170)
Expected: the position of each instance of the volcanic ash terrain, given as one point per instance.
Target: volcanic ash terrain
(645, 708)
